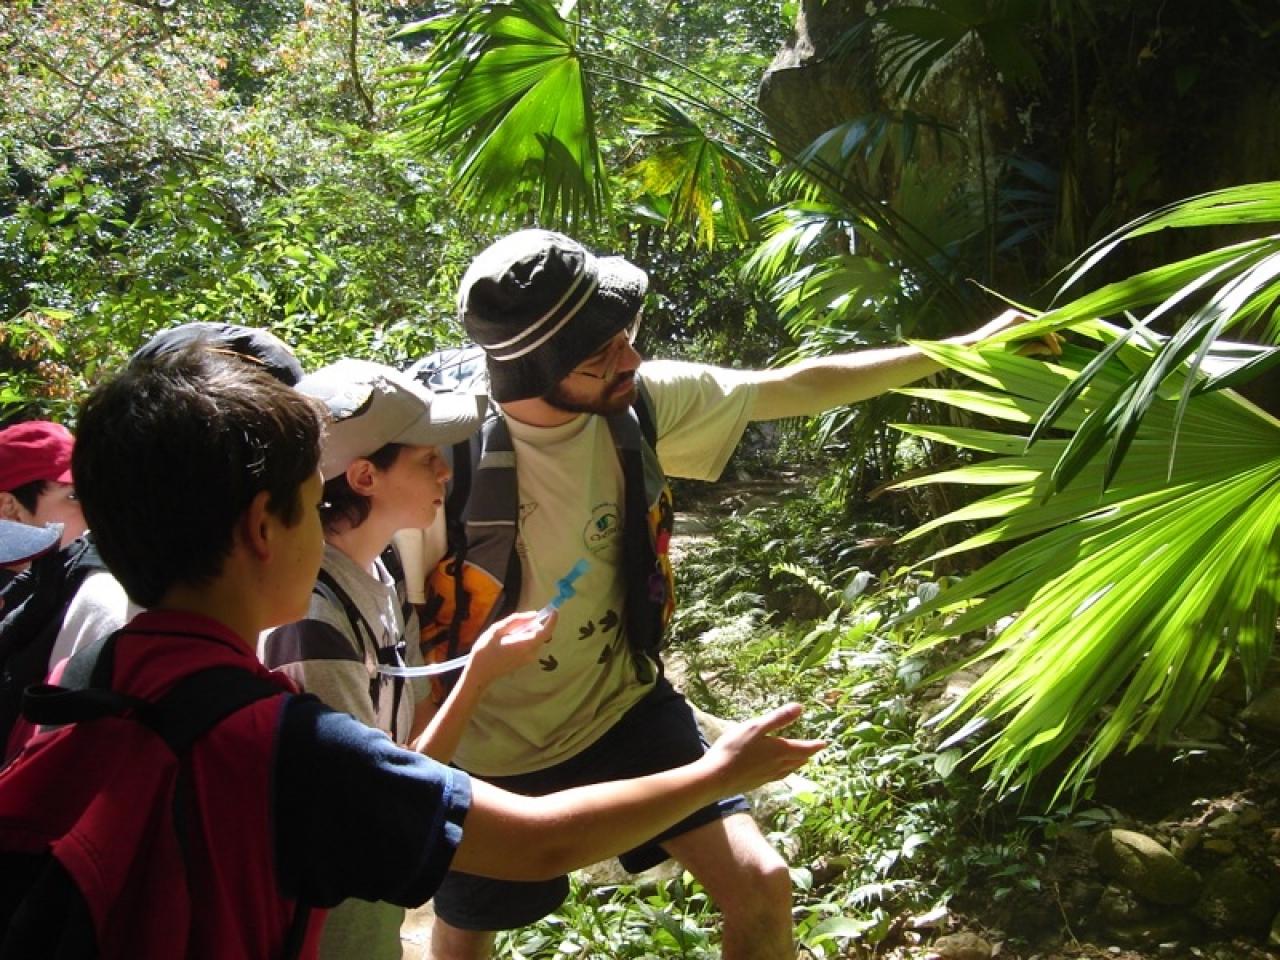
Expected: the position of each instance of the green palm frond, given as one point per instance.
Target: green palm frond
(708, 181)
(1233, 288)
(915, 39)
(1129, 589)
(814, 280)
(507, 81)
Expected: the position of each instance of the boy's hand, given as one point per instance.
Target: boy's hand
(510, 643)
(749, 756)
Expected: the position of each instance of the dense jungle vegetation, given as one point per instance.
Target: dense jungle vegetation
(1032, 603)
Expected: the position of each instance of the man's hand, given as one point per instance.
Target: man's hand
(1049, 344)
(749, 756)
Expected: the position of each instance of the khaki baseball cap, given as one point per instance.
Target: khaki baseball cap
(371, 405)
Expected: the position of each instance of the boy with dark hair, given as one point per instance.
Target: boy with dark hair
(35, 481)
(199, 478)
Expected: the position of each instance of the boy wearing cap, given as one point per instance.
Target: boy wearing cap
(35, 477)
(200, 479)
(383, 471)
(557, 325)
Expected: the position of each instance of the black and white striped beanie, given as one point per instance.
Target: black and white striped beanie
(540, 303)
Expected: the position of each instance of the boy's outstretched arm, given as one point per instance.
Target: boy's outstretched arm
(564, 831)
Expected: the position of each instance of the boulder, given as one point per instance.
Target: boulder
(1146, 868)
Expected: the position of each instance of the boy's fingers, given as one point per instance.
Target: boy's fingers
(779, 717)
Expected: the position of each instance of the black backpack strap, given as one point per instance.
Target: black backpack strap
(643, 406)
(197, 703)
(395, 566)
(191, 708)
(85, 691)
(327, 586)
(464, 454)
(393, 656)
(194, 705)
(635, 434)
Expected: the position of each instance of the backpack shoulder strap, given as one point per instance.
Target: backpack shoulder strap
(327, 586)
(395, 566)
(190, 708)
(643, 406)
(199, 702)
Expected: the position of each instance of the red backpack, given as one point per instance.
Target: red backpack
(92, 828)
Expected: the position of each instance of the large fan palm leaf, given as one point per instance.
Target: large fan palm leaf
(507, 81)
(1128, 590)
(1234, 289)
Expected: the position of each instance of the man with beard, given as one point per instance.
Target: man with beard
(557, 325)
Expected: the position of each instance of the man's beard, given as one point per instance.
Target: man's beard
(613, 399)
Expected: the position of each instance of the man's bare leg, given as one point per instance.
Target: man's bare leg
(748, 880)
(451, 943)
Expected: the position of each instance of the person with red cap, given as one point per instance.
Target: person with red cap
(35, 479)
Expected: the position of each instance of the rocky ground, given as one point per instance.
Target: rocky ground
(1186, 864)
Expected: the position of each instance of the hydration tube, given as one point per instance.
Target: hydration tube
(564, 590)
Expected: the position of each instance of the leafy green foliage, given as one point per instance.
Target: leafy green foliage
(1142, 588)
(1141, 506)
(206, 162)
(515, 92)
(500, 72)
(1233, 287)
(885, 823)
(917, 38)
(672, 918)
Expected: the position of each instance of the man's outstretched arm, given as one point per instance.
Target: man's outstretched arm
(809, 387)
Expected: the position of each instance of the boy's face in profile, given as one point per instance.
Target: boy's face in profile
(301, 548)
(413, 487)
(57, 503)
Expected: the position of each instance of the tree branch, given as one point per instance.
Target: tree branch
(354, 63)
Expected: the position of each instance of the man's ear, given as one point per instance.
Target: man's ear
(10, 508)
(256, 529)
(362, 477)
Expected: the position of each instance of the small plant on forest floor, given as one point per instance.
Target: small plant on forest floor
(674, 918)
(883, 826)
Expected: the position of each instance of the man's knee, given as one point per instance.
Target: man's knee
(451, 943)
(741, 870)
(767, 884)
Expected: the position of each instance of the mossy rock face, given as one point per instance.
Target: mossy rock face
(1146, 868)
(1236, 902)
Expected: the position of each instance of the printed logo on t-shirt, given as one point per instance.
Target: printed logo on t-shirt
(603, 530)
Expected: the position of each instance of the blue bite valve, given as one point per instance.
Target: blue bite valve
(564, 589)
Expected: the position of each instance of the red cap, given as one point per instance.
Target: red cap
(35, 450)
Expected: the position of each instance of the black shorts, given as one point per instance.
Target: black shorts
(657, 734)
